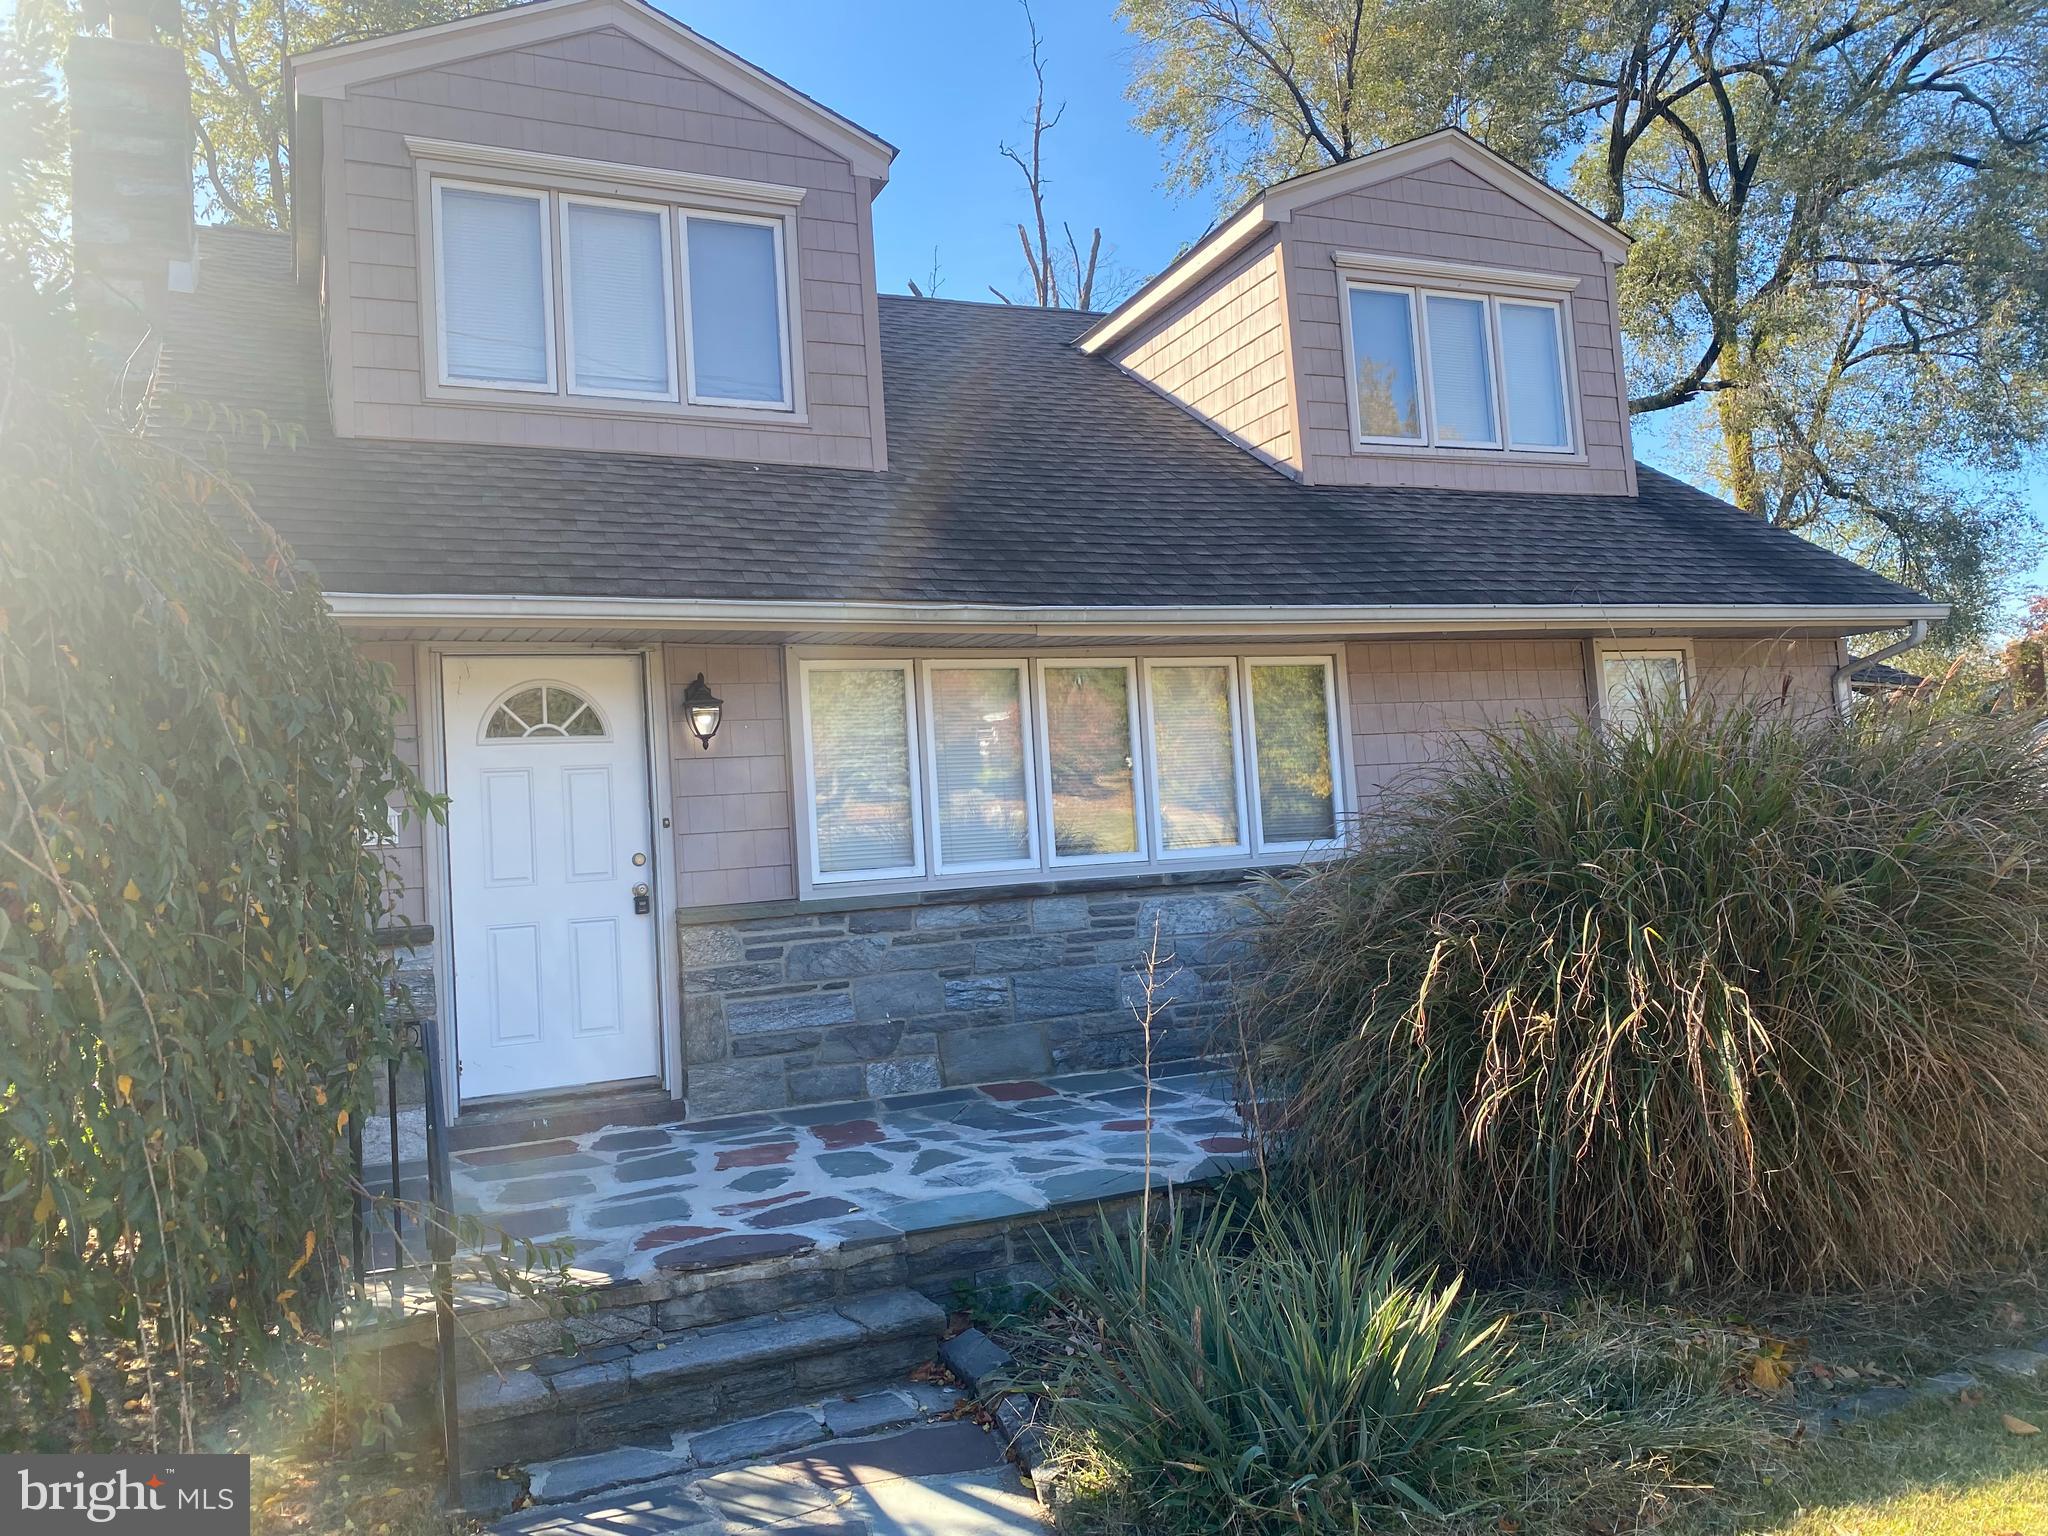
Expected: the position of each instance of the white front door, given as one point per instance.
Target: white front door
(550, 840)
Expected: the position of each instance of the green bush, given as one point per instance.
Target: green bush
(195, 767)
(1276, 1367)
(1728, 998)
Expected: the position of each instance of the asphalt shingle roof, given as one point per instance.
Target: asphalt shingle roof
(1022, 472)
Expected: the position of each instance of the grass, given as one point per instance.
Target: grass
(1940, 1469)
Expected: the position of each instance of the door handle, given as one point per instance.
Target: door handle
(642, 904)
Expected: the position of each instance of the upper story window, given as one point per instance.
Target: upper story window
(646, 301)
(1441, 369)
(966, 769)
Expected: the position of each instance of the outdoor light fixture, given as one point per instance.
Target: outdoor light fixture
(702, 708)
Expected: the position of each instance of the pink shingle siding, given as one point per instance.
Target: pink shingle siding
(733, 836)
(598, 95)
(1443, 212)
(1410, 698)
(1800, 671)
(1223, 355)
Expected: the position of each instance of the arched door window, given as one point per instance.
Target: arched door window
(543, 710)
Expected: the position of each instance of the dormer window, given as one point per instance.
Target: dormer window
(571, 289)
(1442, 367)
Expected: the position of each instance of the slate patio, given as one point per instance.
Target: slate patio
(641, 1200)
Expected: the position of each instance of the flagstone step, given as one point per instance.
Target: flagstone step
(855, 1414)
(646, 1389)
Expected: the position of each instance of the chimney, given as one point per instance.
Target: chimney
(131, 167)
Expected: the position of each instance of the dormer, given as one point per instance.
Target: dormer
(579, 224)
(1428, 315)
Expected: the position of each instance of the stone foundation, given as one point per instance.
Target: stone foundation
(820, 1007)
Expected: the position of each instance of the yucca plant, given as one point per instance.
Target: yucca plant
(1727, 997)
(1273, 1366)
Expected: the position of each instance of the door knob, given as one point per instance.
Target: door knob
(641, 904)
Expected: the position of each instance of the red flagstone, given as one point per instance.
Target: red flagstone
(664, 1235)
(842, 1134)
(1224, 1144)
(1125, 1125)
(762, 1155)
(1010, 1093)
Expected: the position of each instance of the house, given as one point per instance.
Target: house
(836, 691)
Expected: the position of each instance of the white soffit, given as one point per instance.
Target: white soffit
(331, 71)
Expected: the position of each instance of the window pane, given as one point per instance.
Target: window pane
(860, 769)
(1291, 715)
(1531, 363)
(494, 301)
(1195, 762)
(1383, 358)
(1461, 379)
(1088, 742)
(1637, 683)
(618, 306)
(735, 311)
(977, 730)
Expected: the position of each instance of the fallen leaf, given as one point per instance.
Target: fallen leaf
(2015, 1426)
(131, 892)
(1769, 1371)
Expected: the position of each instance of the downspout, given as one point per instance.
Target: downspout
(1914, 636)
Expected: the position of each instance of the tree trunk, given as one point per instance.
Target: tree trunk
(1738, 447)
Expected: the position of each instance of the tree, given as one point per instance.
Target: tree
(34, 241)
(236, 49)
(1042, 257)
(195, 768)
(1840, 213)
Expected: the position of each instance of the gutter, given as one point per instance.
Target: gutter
(1914, 636)
(1055, 620)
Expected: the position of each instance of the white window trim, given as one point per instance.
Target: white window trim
(808, 821)
(1564, 375)
(565, 201)
(1134, 726)
(1242, 847)
(1416, 361)
(1418, 330)
(1027, 742)
(1599, 650)
(682, 258)
(549, 301)
(1331, 724)
(1489, 343)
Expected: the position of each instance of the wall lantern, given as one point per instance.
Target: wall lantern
(702, 708)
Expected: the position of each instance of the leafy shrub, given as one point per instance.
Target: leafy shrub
(195, 765)
(1275, 1367)
(1727, 998)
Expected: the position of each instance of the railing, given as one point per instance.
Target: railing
(396, 1234)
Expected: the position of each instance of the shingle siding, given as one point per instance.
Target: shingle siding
(1223, 355)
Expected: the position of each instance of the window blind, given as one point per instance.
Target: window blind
(1194, 756)
(860, 769)
(618, 300)
(1291, 736)
(1088, 746)
(494, 299)
(1461, 379)
(735, 312)
(1383, 360)
(1532, 365)
(977, 731)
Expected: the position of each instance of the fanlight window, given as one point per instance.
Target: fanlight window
(543, 709)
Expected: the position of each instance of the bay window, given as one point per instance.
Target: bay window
(1457, 370)
(964, 769)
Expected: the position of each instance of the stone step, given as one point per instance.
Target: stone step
(857, 1413)
(691, 1378)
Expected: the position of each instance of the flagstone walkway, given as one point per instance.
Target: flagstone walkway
(719, 1192)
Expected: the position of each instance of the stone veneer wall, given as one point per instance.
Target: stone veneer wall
(816, 1007)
